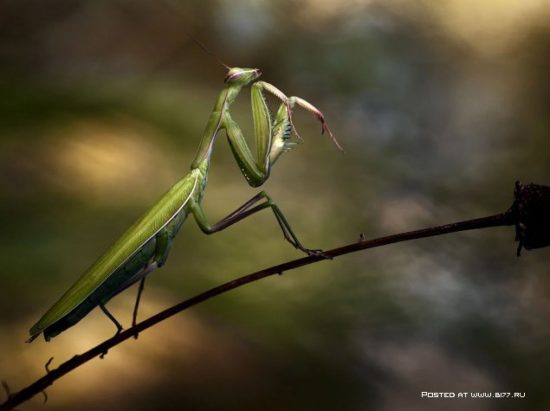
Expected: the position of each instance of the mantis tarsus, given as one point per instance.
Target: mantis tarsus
(146, 244)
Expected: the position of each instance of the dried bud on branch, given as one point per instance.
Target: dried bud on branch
(532, 214)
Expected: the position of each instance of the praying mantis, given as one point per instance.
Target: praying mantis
(145, 246)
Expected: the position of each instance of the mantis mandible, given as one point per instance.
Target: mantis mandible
(145, 246)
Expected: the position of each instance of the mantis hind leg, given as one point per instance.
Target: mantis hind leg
(136, 305)
(112, 318)
(163, 245)
(246, 210)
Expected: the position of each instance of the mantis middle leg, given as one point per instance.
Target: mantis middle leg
(246, 210)
(164, 240)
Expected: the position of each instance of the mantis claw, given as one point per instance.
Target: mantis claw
(317, 253)
(289, 110)
(319, 115)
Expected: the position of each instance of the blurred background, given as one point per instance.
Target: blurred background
(440, 105)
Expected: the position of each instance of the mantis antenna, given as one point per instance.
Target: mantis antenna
(208, 51)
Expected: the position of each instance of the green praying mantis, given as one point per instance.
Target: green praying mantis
(145, 246)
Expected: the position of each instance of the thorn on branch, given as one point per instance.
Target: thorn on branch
(45, 396)
(47, 365)
(6, 388)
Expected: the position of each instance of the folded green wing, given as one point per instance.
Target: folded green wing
(131, 241)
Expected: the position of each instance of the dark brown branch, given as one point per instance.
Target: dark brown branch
(42, 383)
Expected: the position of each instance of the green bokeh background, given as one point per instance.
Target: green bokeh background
(440, 105)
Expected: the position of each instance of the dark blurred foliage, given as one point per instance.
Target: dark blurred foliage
(440, 106)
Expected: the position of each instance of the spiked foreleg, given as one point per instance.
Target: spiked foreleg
(271, 138)
(317, 113)
(288, 105)
(262, 128)
(250, 167)
(255, 169)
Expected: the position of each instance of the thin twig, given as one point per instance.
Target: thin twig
(42, 383)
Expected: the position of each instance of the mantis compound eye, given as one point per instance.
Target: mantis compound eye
(242, 75)
(231, 75)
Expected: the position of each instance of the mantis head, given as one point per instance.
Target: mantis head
(242, 76)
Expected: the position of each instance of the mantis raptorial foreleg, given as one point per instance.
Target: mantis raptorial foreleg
(290, 102)
(271, 138)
